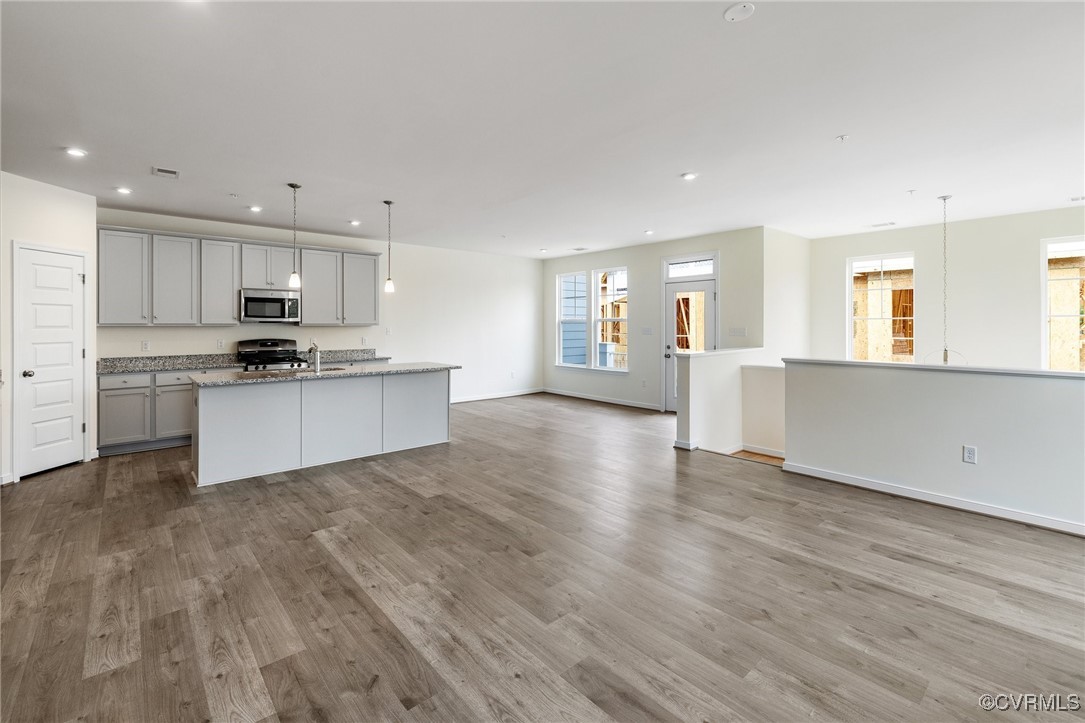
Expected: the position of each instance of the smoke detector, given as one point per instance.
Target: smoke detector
(738, 13)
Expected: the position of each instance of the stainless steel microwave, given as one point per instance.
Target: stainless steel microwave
(270, 305)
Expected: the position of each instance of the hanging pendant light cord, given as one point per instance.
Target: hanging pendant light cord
(389, 238)
(945, 284)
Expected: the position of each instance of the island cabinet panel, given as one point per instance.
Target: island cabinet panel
(415, 410)
(124, 289)
(220, 280)
(321, 283)
(175, 280)
(256, 429)
(341, 419)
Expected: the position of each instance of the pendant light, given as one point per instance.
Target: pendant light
(389, 285)
(295, 277)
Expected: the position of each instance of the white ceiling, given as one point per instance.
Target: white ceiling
(511, 127)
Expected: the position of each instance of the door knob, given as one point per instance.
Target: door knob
(666, 356)
(28, 373)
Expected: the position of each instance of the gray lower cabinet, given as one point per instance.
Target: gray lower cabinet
(124, 416)
(142, 411)
(173, 411)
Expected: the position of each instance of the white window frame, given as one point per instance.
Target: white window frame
(586, 319)
(849, 308)
(1045, 249)
(592, 321)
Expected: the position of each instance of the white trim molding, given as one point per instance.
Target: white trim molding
(1028, 518)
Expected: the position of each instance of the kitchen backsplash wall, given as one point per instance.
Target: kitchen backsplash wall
(125, 341)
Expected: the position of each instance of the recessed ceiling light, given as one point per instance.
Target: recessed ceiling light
(542, 251)
(124, 190)
(355, 223)
(738, 13)
(688, 176)
(843, 138)
(77, 152)
(232, 195)
(580, 248)
(883, 224)
(256, 209)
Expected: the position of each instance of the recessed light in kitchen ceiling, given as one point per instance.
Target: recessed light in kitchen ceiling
(256, 209)
(355, 223)
(542, 251)
(124, 191)
(580, 248)
(648, 232)
(738, 13)
(688, 176)
(77, 152)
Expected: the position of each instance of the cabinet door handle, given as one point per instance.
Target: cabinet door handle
(28, 373)
(124, 381)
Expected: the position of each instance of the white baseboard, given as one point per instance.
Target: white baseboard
(685, 445)
(6, 479)
(607, 400)
(1052, 523)
(764, 450)
(500, 395)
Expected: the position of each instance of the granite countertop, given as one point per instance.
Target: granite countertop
(225, 379)
(184, 362)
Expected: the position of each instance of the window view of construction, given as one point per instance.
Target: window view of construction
(883, 300)
(612, 298)
(1066, 306)
(689, 320)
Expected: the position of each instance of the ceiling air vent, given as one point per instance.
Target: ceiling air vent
(165, 172)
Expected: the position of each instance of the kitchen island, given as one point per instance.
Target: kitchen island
(255, 423)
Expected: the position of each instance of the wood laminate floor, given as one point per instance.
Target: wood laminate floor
(558, 560)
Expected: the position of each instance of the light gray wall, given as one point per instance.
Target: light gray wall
(995, 286)
(44, 215)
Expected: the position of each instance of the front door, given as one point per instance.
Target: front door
(691, 326)
(48, 360)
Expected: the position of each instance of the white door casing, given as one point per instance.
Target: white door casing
(48, 341)
(705, 324)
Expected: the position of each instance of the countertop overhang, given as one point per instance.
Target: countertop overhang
(225, 379)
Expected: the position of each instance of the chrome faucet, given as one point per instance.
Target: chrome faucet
(314, 355)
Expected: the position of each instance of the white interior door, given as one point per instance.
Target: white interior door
(690, 326)
(48, 360)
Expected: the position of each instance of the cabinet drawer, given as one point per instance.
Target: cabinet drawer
(170, 379)
(124, 381)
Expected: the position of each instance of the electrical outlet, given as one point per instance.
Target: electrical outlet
(643, 383)
(388, 331)
(145, 346)
(364, 341)
(969, 455)
(221, 343)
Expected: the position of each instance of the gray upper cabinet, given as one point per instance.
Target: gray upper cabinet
(220, 280)
(124, 266)
(175, 281)
(280, 266)
(360, 296)
(266, 266)
(321, 287)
